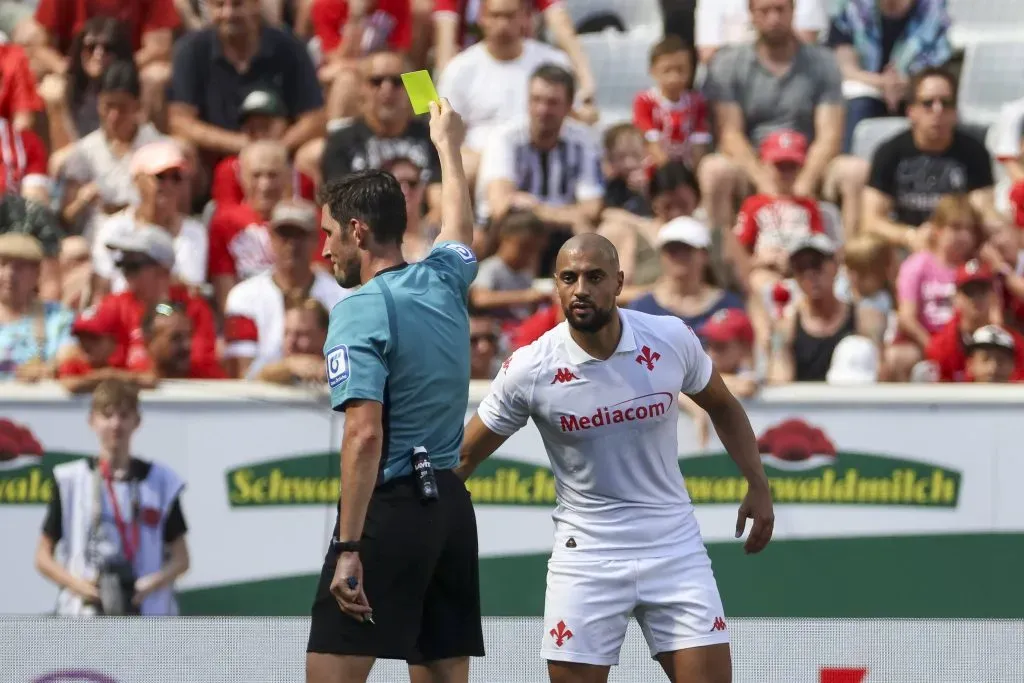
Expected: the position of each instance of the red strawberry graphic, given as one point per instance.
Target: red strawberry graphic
(795, 440)
(16, 440)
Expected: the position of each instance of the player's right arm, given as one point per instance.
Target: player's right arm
(448, 132)
(501, 414)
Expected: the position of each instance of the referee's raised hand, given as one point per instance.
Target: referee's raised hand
(447, 129)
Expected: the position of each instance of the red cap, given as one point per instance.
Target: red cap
(784, 145)
(98, 321)
(973, 271)
(730, 324)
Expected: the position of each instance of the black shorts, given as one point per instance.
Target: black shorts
(421, 575)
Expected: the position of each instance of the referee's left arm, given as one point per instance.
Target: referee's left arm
(448, 132)
(357, 373)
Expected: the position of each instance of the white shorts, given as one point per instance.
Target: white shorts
(588, 604)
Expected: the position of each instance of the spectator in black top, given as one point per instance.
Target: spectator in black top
(809, 331)
(215, 69)
(910, 172)
(385, 131)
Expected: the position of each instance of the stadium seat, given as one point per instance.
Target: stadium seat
(619, 63)
(870, 133)
(633, 13)
(984, 20)
(993, 74)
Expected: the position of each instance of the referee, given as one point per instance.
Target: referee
(401, 577)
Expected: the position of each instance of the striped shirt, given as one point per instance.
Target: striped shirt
(568, 173)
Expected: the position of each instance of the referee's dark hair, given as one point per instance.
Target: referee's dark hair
(556, 75)
(373, 197)
(121, 77)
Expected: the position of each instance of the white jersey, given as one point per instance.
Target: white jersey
(609, 428)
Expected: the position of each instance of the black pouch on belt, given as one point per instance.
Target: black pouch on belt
(423, 471)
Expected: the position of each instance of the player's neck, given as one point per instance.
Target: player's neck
(600, 344)
(117, 461)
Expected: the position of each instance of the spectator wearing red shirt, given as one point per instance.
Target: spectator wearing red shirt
(263, 117)
(456, 28)
(146, 256)
(768, 224)
(672, 116)
(240, 233)
(531, 329)
(168, 333)
(975, 301)
(96, 331)
(19, 99)
(348, 32)
(23, 163)
(151, 24)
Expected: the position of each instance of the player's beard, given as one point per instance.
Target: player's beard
(592, 323)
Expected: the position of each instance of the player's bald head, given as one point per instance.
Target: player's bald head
(590, 247)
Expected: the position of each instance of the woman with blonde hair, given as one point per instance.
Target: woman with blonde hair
(927, 280)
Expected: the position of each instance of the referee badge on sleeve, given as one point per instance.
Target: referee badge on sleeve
(337, 365)
(464, 252)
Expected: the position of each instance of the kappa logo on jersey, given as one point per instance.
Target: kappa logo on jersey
(464, 252)
(337, 365)
(563, 375)
(649, 406)
(560, 633)
(647, 357)
(719, 625)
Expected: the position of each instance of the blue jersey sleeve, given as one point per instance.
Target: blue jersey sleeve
(357, 341)
(456, 260)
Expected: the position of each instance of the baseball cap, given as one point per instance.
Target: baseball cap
(297, 212)
(973, 271)
(100, 321)
(685, 230)
(991, 336)
(18, 245)
(854, 361)
(817, 241)
(148, 240)
(156, 157)
(261, 103)
(784, 145)
(730, 324)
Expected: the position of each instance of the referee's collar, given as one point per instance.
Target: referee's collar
(577, 356)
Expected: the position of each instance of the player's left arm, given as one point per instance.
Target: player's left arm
(357, 373)
(707, 389)
(733, 429)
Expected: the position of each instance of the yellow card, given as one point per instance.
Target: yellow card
(421, 90)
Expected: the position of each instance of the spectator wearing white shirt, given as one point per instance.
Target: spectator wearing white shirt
(548, 164)
(488, 82)
(98, 167)
(254, 312)
(159, 171)
(727, 22)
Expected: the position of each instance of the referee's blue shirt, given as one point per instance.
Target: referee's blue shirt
(402, 340)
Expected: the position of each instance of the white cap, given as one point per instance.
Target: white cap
(992, 335)
(854, 361)
(148, 240)
(686, 230)
(816, 241)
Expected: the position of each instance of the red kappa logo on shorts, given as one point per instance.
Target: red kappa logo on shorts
(719, 624)
(560, 633)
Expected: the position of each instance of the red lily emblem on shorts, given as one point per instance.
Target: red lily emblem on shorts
(560, 633)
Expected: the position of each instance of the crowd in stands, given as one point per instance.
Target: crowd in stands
(159, 161)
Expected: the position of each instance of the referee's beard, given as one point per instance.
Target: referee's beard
(590, 320)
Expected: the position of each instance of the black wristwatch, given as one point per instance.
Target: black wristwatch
(344, 546)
